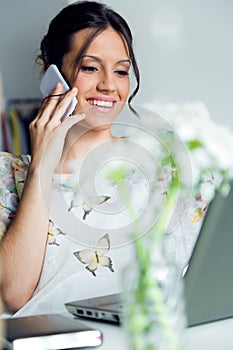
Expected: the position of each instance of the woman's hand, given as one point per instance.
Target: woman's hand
(48, 132)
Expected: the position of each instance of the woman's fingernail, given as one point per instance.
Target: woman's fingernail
(74, 90)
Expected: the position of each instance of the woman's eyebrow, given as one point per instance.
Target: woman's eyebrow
(100, 60)
(123, 61)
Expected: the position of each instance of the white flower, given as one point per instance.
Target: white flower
(218, 142)
(210, 145)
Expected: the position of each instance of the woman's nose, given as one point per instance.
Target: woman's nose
(106, 82)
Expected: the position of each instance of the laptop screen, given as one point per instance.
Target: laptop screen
(209, 277)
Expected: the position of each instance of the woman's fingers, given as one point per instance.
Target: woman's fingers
(59, 133)
(53, 145)
(54, 106)
(74, 119)
(49, 104)
(63, 105)
(48, 132)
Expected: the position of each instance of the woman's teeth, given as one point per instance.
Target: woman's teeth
(99, 103)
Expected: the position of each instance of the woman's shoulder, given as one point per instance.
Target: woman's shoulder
(13, 170)
(10, 159)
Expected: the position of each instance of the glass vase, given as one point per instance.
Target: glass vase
(154, 301)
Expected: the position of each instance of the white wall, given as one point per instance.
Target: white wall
(22, 25)
(184, 48)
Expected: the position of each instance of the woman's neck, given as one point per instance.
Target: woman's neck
(79, 144)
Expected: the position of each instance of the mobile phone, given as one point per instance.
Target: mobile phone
(48, 83)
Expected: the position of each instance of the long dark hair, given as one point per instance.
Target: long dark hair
(78, 16)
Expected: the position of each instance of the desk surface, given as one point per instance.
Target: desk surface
(212, 336)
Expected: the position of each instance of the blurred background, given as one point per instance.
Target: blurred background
(184, 49)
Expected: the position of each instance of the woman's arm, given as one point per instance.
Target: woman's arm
(22, 248)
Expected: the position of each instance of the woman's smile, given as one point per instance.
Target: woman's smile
(102, 104)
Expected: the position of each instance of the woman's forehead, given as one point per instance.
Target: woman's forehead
(108, 38)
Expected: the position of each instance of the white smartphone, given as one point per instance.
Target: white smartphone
(48, 83)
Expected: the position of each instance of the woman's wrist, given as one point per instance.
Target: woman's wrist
(39, 184)
(40, 170)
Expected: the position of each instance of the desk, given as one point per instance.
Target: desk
(212, 336)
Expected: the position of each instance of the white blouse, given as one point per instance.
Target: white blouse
(91, 241)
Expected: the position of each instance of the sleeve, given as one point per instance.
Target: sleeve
(13, 172)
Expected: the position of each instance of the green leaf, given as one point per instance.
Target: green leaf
(193, 144)
(117, 175)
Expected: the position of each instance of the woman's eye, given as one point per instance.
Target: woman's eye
(122, 72)
(88, 69)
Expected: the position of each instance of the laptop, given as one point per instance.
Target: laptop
(107, 308)
(208, 278)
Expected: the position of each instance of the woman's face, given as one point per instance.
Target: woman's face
(103, 79)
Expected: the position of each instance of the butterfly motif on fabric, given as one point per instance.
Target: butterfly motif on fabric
(20, 171)
(87, 207)
(95, 258)
(53, 232)
(197, 215)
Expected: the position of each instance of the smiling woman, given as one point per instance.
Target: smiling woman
(95, 54)
(72, 41)
(103, 77)
(92, 47)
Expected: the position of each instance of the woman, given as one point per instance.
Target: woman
(43, 265)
